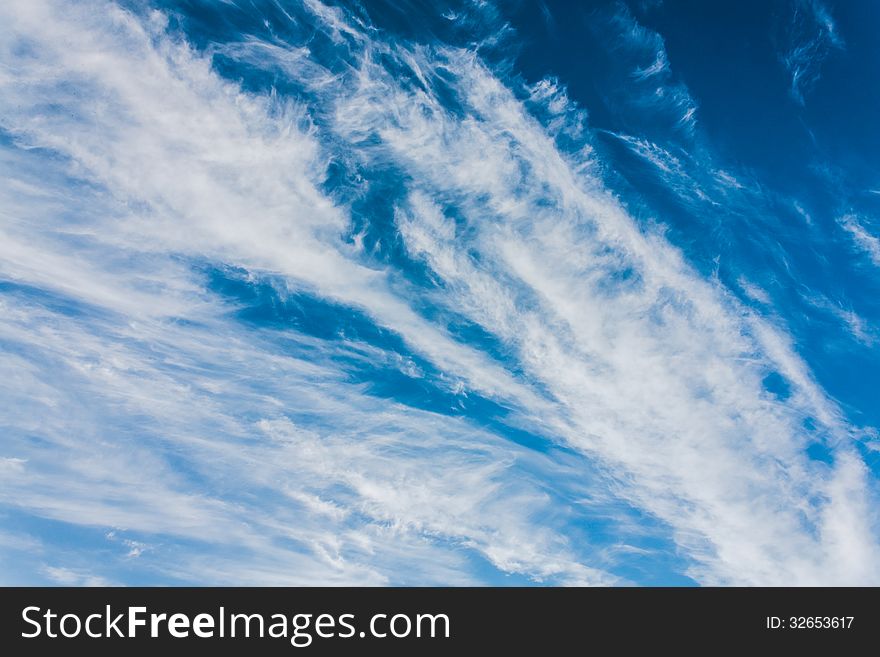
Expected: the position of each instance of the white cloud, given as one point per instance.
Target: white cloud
(160, 414)
(69, 577)
(658, 373)
(867, 242)
(654, 88)
(754, 292)
(810, 36)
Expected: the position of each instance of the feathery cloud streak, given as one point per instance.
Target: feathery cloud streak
(412, 186)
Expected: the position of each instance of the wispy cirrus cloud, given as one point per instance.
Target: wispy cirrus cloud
(648, 83)
(863, 238)
(604, 378)
(809, 36)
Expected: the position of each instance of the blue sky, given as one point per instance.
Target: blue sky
(421, 293)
